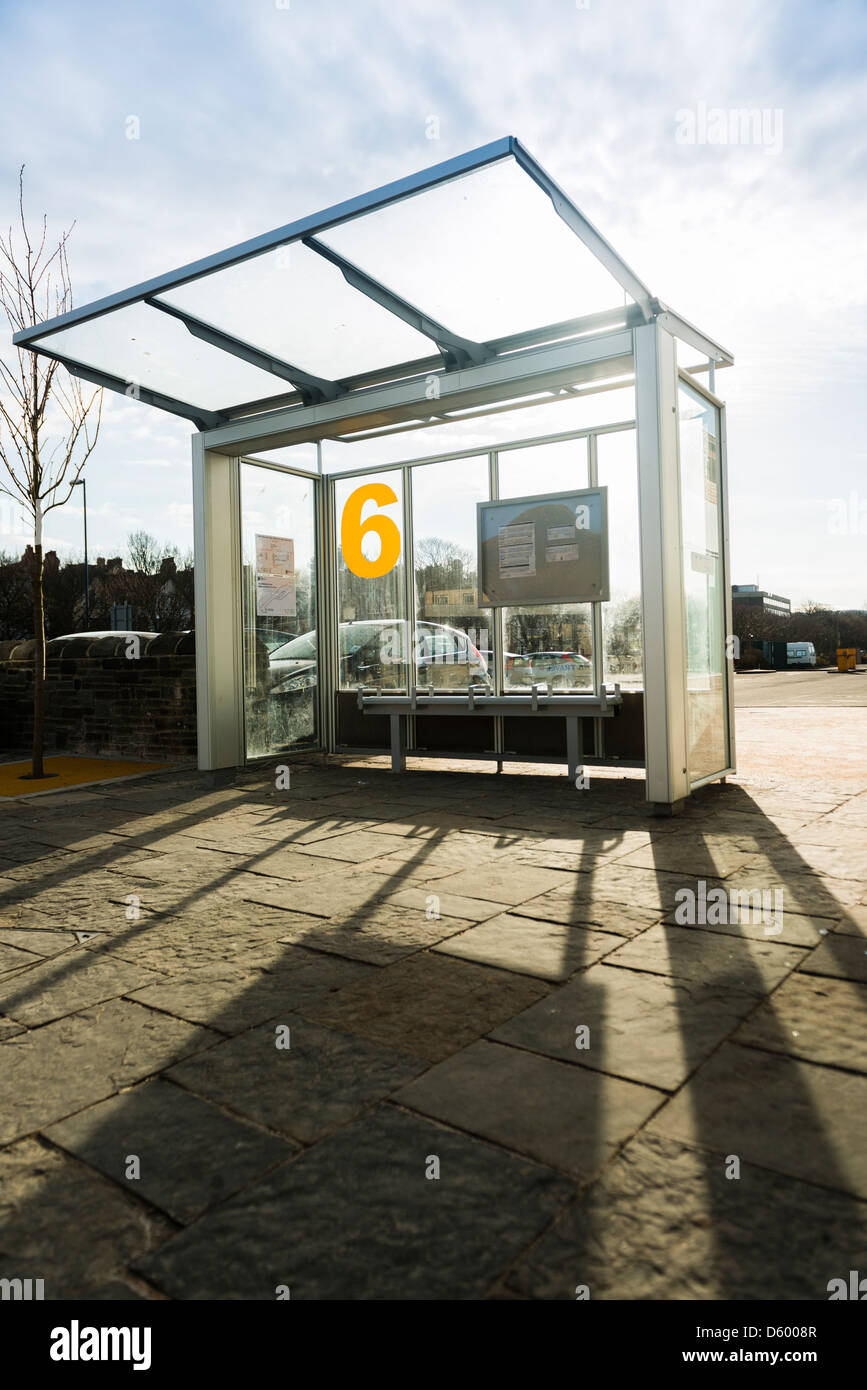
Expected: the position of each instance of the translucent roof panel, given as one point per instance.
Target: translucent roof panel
(479, 255)
(142, 346)
(295, 304)
(487, 255)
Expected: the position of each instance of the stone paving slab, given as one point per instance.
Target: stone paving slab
(808, 892)
(505, 883)
(407, 864)
(663, 1222)
(379, 936)
(451, 852)
(841, 955)
(353, 847)
(423, 824)
(408, 1238)
(12, 957)
(38, 941)
(322, 1080)
(568, 1117)
(181, 870)
(190, 1153)
(171, 943)
(51, 989)
(853, 923)
(796, 929)
(546, 950)
(655, 891)
(693, 953)
(821, 1020)
(447, 904)
(837, 830)
(693, 854)
(47, 1201)
(51, 1072)
(232, 998)
(33, 868)
(427, 1006)
(293, 830)
(787, 1115)
(347, 890)
(621, 919)
(97, 900)
(584, 851)
(645, 1028)
(745, 820)
(844, 857)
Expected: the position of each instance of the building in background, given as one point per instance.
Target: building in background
(751, 596)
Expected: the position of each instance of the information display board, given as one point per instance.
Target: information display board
(548, 549)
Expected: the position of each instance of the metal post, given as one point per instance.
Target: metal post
(83, 485)
(219, 617)
(663, 616)
(573, 745)
(410, 599)
(398, 742)
(596, 613)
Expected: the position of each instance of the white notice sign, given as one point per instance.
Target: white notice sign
(275, 577)
(517, 549)
(561, 544)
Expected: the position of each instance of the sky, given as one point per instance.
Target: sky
(251, 114)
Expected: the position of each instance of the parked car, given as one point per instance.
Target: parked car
(554, 668)
(378, 652)
(108, 632)
(272, 640)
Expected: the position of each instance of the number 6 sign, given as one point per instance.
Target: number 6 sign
(353, 530)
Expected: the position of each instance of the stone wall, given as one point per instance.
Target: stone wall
(101, 700)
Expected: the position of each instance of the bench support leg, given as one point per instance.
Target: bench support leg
(398, 742)
(573, 746)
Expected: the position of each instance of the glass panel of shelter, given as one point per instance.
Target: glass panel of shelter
(278, 594)
(704, 579)
(551, 644)
(426, 627)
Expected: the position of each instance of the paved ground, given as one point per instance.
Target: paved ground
(435, 1036)
(824, 688)
(789, 725)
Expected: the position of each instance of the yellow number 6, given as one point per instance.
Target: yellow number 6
(353, 530)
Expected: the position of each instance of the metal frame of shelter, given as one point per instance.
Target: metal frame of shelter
(632, 343)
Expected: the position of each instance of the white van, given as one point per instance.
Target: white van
(800, 654)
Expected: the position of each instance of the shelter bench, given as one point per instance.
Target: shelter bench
(539, 702)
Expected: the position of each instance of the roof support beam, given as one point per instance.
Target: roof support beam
(502, 379)
(578, 223)
(201, 418)
(313, 389)
(456, 351)
(680, 328)
(628, 316)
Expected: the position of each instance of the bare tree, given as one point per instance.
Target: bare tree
(43, 451)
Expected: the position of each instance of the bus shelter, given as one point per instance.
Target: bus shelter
(459, 482)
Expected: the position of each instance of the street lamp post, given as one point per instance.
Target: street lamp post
(83, 485)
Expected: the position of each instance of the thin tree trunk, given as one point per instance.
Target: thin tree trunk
(37, 769)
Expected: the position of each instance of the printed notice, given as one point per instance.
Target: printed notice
(517, 550)
(275, 577)
(702, 564)
(561, 544)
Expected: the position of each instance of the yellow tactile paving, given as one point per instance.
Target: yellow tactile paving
(67, 772)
